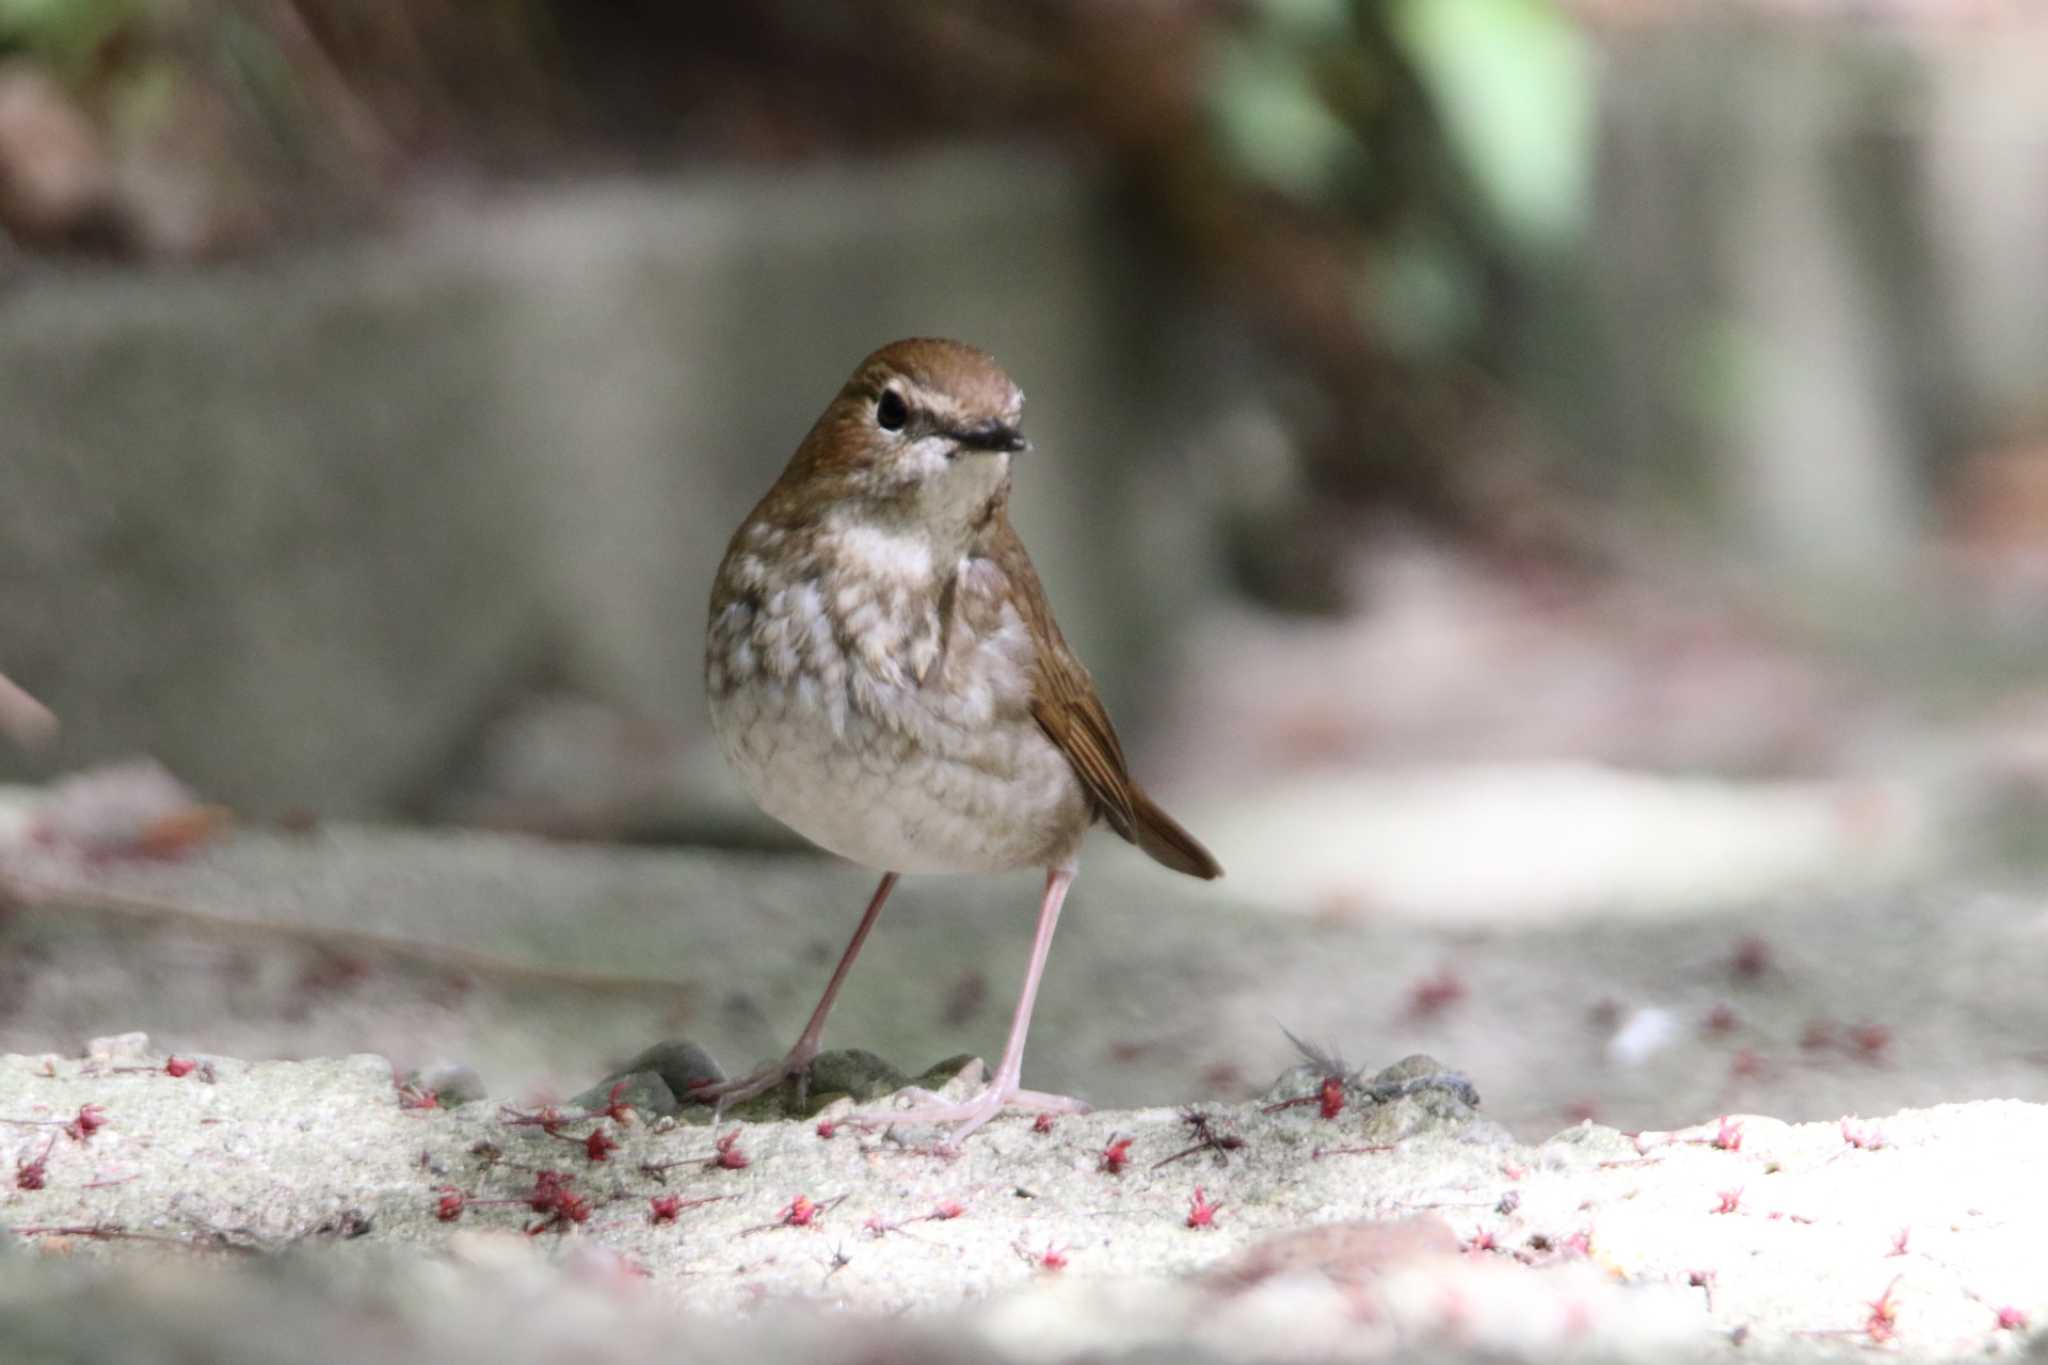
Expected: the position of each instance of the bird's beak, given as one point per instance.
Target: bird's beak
(991, 436)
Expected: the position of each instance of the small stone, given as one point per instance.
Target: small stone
(452, 1083)
(957, 1078)
(645, 1091)
(680, 1063)
(1302, 1079)
(1418, 1075)
(855, 1072)
(121, 1049)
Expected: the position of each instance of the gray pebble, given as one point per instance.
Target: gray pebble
(645, 1091)
(456, 1083)
(679, 1062)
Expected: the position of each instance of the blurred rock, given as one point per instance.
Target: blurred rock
(681, 1064)
(451, 1083)
(644, 1092)
(311, 529)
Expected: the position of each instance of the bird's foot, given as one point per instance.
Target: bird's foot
(723, 1095)
(972, 1112)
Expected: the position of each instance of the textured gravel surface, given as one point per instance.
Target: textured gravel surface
(1391, 1224)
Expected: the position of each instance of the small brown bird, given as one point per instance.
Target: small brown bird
(886, 677)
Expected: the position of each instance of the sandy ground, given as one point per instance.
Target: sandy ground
(1816, 1116)
(1382, 1226)
(543, 965)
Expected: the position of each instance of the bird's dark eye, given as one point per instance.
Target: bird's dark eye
(891, 412)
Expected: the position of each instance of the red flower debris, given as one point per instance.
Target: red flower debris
(1434, 994)
(1729, 1138)
(1328, 1099)
(599, 1145)
(89, 1120)
(1730, 1202)
(80, 1127)
(663, 1208)
(1042, 1124)
(1116, 1156)
(1329, 1093)
(559, 1205)
(32, 1173)
(944, 1212)
(726, 1154)
(1052, 1258)
(179, 1066)
(413, 1097)
(547, 1118)
(1201, 1213)
(451, 1204)
(1883, 1323)
(1870, 1042)
(615, 1107)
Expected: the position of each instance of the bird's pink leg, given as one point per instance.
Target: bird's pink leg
(1003, 1090)
(799, 1057)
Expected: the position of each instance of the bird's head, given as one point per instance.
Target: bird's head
(921, 436)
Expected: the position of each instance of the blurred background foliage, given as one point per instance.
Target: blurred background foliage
(1381, 183)
(1737, 306)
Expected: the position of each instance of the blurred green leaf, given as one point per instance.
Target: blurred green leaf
(1512, 82)
(1314, 20)
(1421, 297)
(65, 33)
(1272, 122)
(141, 99)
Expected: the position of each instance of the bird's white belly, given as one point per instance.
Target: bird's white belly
(922, 794)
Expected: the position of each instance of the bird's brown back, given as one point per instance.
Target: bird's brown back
(1066, 707)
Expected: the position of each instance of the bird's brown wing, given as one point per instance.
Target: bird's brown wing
(1064, 703)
